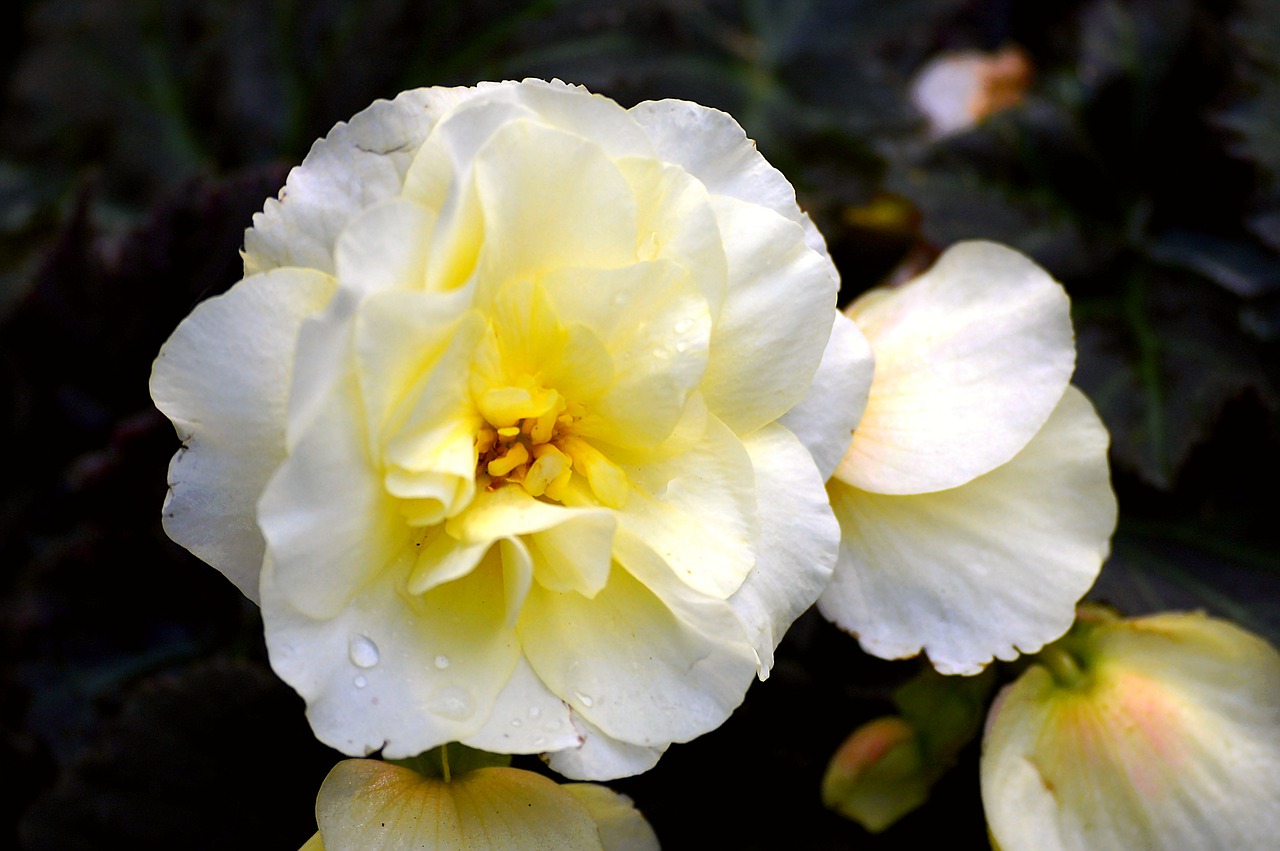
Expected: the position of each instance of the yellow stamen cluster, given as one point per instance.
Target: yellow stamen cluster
(528, 440)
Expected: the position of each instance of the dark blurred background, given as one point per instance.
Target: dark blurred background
(1132, 148)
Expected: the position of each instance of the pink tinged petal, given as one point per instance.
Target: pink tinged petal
(970, 360)
(223, 379)
(991, 568)
(621, 826)
(358, 164)
(697, 512)
(601, 757)
(569, 206)
(771, 333)
(796, 541)
(385, 247)
(394, 670)
(370, 804)
(526, 718)
(1171, 739)
(632, 666)
(825, 418)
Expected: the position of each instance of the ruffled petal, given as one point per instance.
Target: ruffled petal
(602, 757)
(1170, 739)
(526, 718)
(621, 826)
(223, 379)
(825, 418)
(991, 568)
(796, 542)
(359, 163)
(970, 360)
(771, 332)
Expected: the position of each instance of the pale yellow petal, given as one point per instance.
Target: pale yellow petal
(970, 360)
(373, 805)
(621, 826)
(526, 718)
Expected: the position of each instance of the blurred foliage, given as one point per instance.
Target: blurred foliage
(1142, 168)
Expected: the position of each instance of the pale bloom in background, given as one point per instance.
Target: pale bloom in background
(954, 91)
(369, 804)
(975, 501)
(1160, 732)
(518, 424)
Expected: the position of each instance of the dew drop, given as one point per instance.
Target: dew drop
(452, 702)
(539, 742)
(682, 345)
(363, 652)
(534, 712)
(361, 682)
(586, 699)
(442, 662)
(515, 722)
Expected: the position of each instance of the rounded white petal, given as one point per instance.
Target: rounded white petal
(970, 360)
(602, 757)
(526, 718)
(223, 379)
(633, 666)
(1170, 740)
(621, 826)
(359, 163)
(370, 804)
(397, 672)
(825, 418)
(991, 568)
(796, 541)
(771, 332)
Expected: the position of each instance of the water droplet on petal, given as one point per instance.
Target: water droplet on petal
(534, 712)
(361, 682)
(452, 702)
(539, 742)
(682, 346)
(586, 699)
(363, 652)
(442, 662)
(515, 722)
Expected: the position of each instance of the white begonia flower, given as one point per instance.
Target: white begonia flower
(975, 500)
(369, 804)
(492, 427)
(1158, 733)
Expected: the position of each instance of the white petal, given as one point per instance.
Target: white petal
(358, 164)
(392, 670)
(796, 542)
(223, 379)
(526, 718)
(824, 419)
(621, 826)
(1172, 741)
(630, 665)
(602, 757)
(329, 523)
(385, 247)
(696, 511)
(772, 330)
(714, 148)
(987, 569)
(971, 359)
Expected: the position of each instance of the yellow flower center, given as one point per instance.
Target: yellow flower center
(528, 439)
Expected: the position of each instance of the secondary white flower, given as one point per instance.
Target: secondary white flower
(1158, 733)
(975, 501)
(506, 427)
(366, 803)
